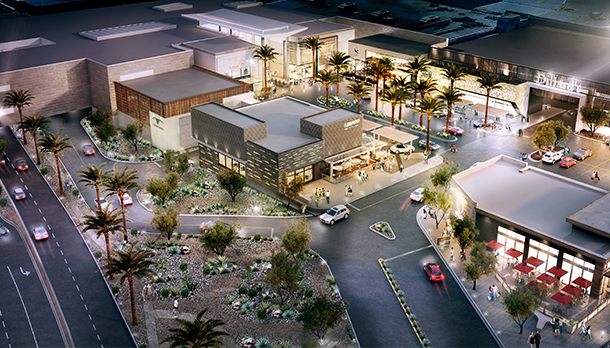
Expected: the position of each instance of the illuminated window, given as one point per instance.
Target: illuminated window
(306, 173)
(229, 162)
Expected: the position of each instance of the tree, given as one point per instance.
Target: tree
(232, 182)
(283, 274)
(453, 73)
(176, 162)
(119, 183)
(105, 131)
(439, 200)
(54, 143)
(326, 78)
(321, 314)
(99, 117)
(18, 98)
(401, 83)
(594, 116)
(441, 177)
(265, 53)
(488, 82)
(394, 96)
(358, 90)
(519, 304)
(219, 237)
(314, 44)
(465, 230)
(104, 222)
(388, 63)
(161, 188)
(481, 264)
(297, 237)
(545, 134)
(428, 106)
(130, 264)
(290, 190)
(132, 132)
(196, 334)
(378, 70)
(417, 65)
(340, 61)
(165, 221)
(33, 124)
(2, 147)
(473, 273)
(422, 87)
(450, 96)
(561, 131)
(93, 177)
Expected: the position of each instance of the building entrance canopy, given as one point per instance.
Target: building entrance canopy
(394, 134)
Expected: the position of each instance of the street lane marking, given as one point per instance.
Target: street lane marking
(69, 270)
(81, 297)
(72, 276)
(44, 218)
(77, 288)
(85, 306)
(90, 317)
(62, 253)
(23, 304)
(57, 244)
(21, 179)
(66, 261)
(353, 206)
(35, 203)
(385, 199)
(53, 234)
(407, 253)
(40, 211)
(94, 328)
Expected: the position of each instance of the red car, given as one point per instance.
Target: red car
(567, 162)
(89, 150)
(21, 164)
(454, 130)
(434, 272)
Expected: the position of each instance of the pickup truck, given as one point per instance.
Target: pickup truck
(552, 157)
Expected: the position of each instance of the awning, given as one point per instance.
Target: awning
(394, 134)
(370, 125)
(534, 261)
(557, 271)
(495, 245)
(463, 102)
(562, 298)
(582, 282)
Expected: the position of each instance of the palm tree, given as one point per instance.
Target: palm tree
(196, 334)
(430, 105)
(119, 183)
(417, 65)
(326, 78)
(104, 222)
(314, 44)
(378, 71)
(265, 53)
(450, 96)
(402, 83)
(488, 82)
(32, 124)
(389, 64)
(339, 61)
(394, 95)
(130, 264)
(422, 87)
(453, 73)
(18, 98)
(93, 177)
(54, 143)
(358, 90)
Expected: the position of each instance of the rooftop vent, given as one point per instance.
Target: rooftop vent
(23, 44)
(126, 30)
(174, 6)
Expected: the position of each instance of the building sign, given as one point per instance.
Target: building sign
(351, 124)
(561, 82)
(158, 122)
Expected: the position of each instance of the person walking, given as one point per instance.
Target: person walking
(583, 327)
(400, 168)
(327, 196)
(346, 191)
(587, 333)
(555, 324)
(496, 291)
(537, 339)
(530, 339)
(175, 310)
(451, 255)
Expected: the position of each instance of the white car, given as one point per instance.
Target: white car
(552, 157)
(402, 148)
(335, 213)
(104, 202)
(127, 200)
(40, 233)
(417, 195)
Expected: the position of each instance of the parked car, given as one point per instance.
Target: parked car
(401, 148)
(127, 200)
(208, 224)
(334, 214)
(18, 194)
(21, 164)
(433, 145)
(567, 162)
(89, 150)
(434, 272)
(551, 157)
(417, 195)
(454, 130)
(3, 230)
(40, 233)
(104, 203)
(480, 122)
(582, 153)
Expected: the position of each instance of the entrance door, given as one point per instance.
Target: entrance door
(544, 104)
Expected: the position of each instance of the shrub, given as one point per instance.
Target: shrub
(288, 314)
(178, 235)
(174, 250)
(115, 290)
(425, 342)
(285, 344)
(264, 305)
(184, 266)
(3, 202)
(143, 158)
(174, 291)
(243, 311)
(252, 292)
(262, 343)
(308, 293)
(207, 270)
(257, 237)
(97, 254)
(75, 193)
(134, 231)
(261, 313)
(184, 293)
(44, 170)
(243, 290)
(400, 293)
(164, 293)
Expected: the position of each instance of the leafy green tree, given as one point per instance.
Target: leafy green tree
(104, 222)
(465, 230)
(473, 273)
(18, 98)
(394, 96)
(2, 146)
(340, 61)
(488, 82)
(98, 117)
(196, 334)
(594, 116)
(321, 314)
(105, 131)
(165, 221)
(283, 274)
(326, 78)
(484, 262)
(438, 199)
(33, 124)
(163, 189)
(290, 190)
(561, 131)
(441, 177)
(297, 237)
(519, 304)
(429, 105)
(182, 163)
(545, 134)
(130, 264)
(169, 160)
(358, 90)
(132, 132)
(219, 237)
(55, 144)
(93, 177)
(314, 44)
(265, 53)
(119, 182)
(232, 182)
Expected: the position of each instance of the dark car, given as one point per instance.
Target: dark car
(582, 153)
(480, 122)
(434, 272)
(21, 164)
(18, 194)
(432, 144)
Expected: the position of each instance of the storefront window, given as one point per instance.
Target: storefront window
(228, 162)
(306, 173)
(511, 239)
(544, 253)
(576, 267)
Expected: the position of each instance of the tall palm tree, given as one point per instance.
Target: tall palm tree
(417, 65)
(394, 95)
(402, 83)
(54, 143)
(18, 98)
(378, 71)
(358, 90)
(422, 87)
(120, 182)
(430, 105)
(265, 53)
(93, 177)
(314, 44)
(130, 264)
(340, 61)
(450, 96)
(453, 73)
(488, 82)
(326, 78)
(104, 222)
(196, 334)
(32, 124)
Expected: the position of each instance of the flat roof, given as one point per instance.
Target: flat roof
(282, 116)
(220, 44)
(370, 125)
(594, 217)
(318, 27)
(394, 44)
(569, 53)
(331, 116)
(395, 134)
(228, 115)
(534, 199)
(180, 84)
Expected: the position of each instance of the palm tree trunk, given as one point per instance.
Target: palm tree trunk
(428, 134)
(338, 81)
(358, 109)
(99, 204)
(400, 112)
(124, 220)
(474, 284)
(448, 118)
(486, 109)
(265, 74)
(393, 106)
(133, 303)
(25, 140)
(61, 187)
(36, 146)
(376, 93)
(107, 238)
(313, 64)
(326, 96)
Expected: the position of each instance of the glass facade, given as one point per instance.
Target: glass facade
(228, 162)
(511, 239)
(300, 57)
(306, 173)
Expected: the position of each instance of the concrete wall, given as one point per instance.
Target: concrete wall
(204, 60)
(301, 157)
(262, 166)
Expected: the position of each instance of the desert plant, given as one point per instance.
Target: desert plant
(115, 290)
(97, 254)
(261, 313)
(184, 293)
(184, 266)
(308, 293)
(164, 293)
(262, 343)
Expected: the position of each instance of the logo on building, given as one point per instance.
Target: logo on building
(351, 124)
(561, 82)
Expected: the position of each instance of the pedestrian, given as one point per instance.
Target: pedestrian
(560, 327)
(350, 190)
(555, 326)
(409, 154)
(583, 327)
(346, 191)
(327, 196)
(144, 293)
(587, 333)
(175, 314)
(400, 168)
(531, 340)
(463, 255)
(496, 291)
(537, 339)
(597, 176)
(425, 213)
(366, 176)
(315, 192)
(451, 255)
(490, 296)
(382, 165)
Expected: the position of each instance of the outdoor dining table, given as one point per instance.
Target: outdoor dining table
(572, 290)
(556, 271)
(582, 282)
(562, 298)
(495, 245)
(549, 279)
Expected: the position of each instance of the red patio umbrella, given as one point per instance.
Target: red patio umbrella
(582, 282)
(524, 268)
(562, 298)
(534, 261)
(572, 290)
(549, 279)
(494, 245)
(537, 284)
(557, 271)
(513, 252)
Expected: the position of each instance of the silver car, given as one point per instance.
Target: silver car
(335, 213)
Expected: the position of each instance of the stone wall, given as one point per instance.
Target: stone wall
(262, 166)
(301, 157)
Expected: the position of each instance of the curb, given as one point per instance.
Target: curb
(403, 128)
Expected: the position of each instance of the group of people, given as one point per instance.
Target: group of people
(362, 176)
(321, 193)
(586, 330)
(534, 338)
(453, 148)
(494, 292)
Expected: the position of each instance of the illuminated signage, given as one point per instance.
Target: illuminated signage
(351, 124)
(560, 82)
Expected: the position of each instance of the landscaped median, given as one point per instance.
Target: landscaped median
(400, 295)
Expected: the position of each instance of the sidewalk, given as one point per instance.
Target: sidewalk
(504, 328)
